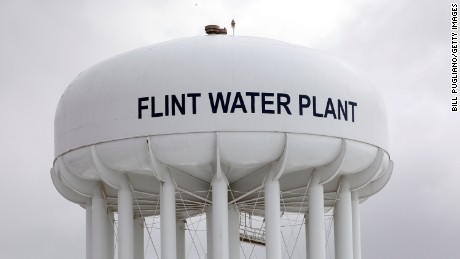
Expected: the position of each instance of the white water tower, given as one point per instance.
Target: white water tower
(209, 124)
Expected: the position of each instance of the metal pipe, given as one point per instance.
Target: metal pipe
(316, 235)
(307, 234)
(209, 242)
(343, 223)
(168, 220)
(139, 238)
(99, 229)
(272, 219)
(234, 231)
(125, 220)
(220, 218)
(180, 238)
(356, 225)
(89, 217)
(110, 235)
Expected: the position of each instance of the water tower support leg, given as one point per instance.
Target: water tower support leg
(89, 218)
(125, 220)
(343, 223)
(307, 234)
(220, 218)
(272, 219)
(356, 226)
(316, 235)
(234, 231)
(139, 238)
(209, 242)
(110, 235)
(180, 238)
(100, 244)
(168, 220)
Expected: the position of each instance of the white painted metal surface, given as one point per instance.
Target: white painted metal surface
(89, 231)
(99, 226)
(125, 220)
(316, 234)
(215, 64)
(139, 238)
(110, 234)
(180, 239)
(209, 233)
(250, 115)
(272, 219)
(234, 232)
(307, 237)
(356, 225)
(168, 220)
(219, 218)
(343, 223)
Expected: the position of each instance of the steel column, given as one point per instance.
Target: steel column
(272, 219)
(209, 243)
(234, 231)
(343, 232)
(168, 220)
(125, 220)
(100, 245)
(138, 238)
(110, 235)
(220, 218)
(316, 236)
(307, 237)
(89, 233)
(180, 238)
(356, 225)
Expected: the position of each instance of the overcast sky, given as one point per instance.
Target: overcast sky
(402, 46)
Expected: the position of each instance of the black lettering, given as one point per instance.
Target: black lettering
(253, 102)
(238, 103)
(302, 104)
(167, 105)
(155, 114)
(180, 105)
(330, 109)
(353, 104)
(266, 102)
(314, 109)
(343, 110)
(219, 99)
(141, 107)
(284, 103)
(194, 96)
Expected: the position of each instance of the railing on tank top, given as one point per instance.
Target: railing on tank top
(252, 229)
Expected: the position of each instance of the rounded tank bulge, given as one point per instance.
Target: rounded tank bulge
(219, 84)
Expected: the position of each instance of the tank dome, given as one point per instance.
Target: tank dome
(222, 125)
(219, 84)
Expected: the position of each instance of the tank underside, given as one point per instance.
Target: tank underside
(246, 160)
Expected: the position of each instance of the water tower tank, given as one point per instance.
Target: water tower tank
(210, 124)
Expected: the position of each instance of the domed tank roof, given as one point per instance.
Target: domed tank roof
(219, 83)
